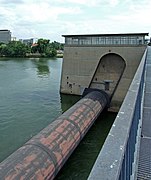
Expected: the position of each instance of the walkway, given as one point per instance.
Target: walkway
(144, 161)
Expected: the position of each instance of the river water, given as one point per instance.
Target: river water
(30, 100)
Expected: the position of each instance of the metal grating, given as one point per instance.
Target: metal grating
(146, 126)
(144, 160)
(147, 100)
(144, 165)
(148, 86)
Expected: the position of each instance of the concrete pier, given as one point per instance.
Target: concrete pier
(103, 61)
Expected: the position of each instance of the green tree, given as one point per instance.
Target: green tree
(56, 45)
(51, 52)
(15, 48)
(42, 45)
(45, 48)
(2, 48)
(34, 48)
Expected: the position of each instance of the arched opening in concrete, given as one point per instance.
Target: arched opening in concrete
(108, 73)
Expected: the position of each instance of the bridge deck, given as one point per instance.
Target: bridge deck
(144, 161)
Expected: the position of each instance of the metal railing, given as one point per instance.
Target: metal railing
(115, 161)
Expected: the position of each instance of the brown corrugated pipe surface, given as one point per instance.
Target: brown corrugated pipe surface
(43, 156)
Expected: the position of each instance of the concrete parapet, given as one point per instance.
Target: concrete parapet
(115, 160)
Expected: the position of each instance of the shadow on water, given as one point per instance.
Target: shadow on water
(81, 161)
(68, 100)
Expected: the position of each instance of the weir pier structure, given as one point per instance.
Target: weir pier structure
(126, 152)
(102, 61)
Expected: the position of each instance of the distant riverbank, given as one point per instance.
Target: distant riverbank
(34, 55)
(43, 48)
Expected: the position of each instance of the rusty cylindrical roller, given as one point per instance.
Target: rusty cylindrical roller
(43, 156)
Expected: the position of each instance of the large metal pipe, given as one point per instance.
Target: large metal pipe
(43, 156)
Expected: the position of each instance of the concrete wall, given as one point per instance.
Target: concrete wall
(80, 63)
(108, 73)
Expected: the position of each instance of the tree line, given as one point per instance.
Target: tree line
(43, 47)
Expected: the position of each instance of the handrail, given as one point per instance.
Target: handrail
(116, 158)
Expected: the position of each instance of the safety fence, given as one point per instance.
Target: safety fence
(116, 158)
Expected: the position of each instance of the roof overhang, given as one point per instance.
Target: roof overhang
(100, 35)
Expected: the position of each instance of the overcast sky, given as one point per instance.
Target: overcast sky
(53, 18)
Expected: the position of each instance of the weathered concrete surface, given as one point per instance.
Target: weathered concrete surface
(80, 63)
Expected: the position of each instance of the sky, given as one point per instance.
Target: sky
(51, 19)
